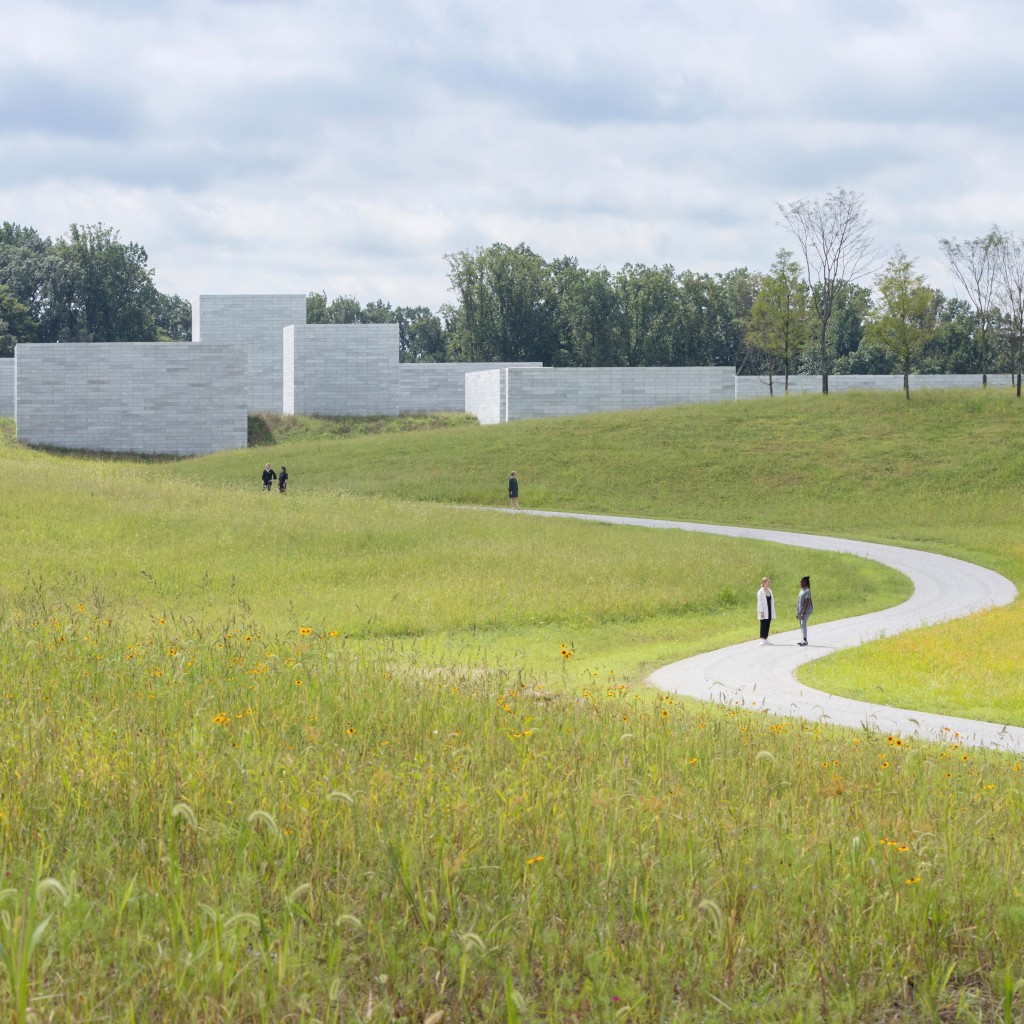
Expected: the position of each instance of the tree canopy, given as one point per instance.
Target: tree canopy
(87, 285)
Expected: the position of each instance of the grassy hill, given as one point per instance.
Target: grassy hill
(944, 472)
(357, 754)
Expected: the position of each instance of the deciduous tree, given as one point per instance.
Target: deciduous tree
(975, 265)
(903, 319)
(835, 243)
(779, 316)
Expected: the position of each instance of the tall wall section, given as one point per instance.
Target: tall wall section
(170, 399)
(340, 370)
(256, 324)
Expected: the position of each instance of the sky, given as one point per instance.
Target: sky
(347, 146)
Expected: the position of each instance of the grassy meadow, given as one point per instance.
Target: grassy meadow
(944, 472)
(354, 754)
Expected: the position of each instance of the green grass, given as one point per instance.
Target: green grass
(273, 429)
(944, 472)
(319, 758)
(248, 827)
(130, 541)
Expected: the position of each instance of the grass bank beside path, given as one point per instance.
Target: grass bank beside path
(129, 541)
(943, 472)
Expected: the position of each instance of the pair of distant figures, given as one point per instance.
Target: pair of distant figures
(269, 476)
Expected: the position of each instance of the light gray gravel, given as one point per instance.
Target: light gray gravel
(753, 676)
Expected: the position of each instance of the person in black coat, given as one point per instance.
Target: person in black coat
(282, 480)
(269, 476)
(513, 490)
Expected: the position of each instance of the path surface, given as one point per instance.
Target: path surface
(764, 677)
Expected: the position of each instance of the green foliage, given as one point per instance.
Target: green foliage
(16, 322)
(86, 286)
(778, 322)
(904, 318)
(506, 307)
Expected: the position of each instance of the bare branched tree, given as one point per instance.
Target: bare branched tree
(835, 240)
(975, 266)
(1011, 297)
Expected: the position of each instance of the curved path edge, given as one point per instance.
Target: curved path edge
(764, 678)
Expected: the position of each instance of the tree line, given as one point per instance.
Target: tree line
(811, 312)
(831, 304)
(87, 285)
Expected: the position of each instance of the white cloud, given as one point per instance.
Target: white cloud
(347, 147)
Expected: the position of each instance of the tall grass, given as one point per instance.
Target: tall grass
(340, 756)
(254, 826)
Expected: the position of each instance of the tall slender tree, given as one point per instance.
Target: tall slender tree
(975, 265)
(834, 237)
(1010, 262)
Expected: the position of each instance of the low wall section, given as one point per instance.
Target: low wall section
(6, 387)
(523, 394)
(167, 399)
(340, 370)
(256, 323)
(757, 387)
(439, 387)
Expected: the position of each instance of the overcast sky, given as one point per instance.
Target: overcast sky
(347, 146)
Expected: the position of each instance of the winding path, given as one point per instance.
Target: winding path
(764, 677)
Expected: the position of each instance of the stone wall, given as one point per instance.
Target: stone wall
(439, 387)
(757, 387)
(553, 391)
(6, 387)
(340, 370)
(168, 399)
(256, 323)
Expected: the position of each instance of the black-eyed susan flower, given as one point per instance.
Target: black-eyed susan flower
(535, 860)
(305, 630)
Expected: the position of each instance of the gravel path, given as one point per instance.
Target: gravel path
(764, 677)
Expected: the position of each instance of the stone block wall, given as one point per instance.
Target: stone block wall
(340, 370)
(167, 399)
(534, 394)
(256, 323)
(6, 387)
(757, 387)
(439, 387)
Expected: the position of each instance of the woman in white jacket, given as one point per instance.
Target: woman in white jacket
(765, 608)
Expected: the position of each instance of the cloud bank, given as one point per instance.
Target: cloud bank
(259, 146)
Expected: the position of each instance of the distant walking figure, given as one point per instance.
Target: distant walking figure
(269, 476)
(282, 480)
(804, 608)
(513, 490)
(765, 608)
